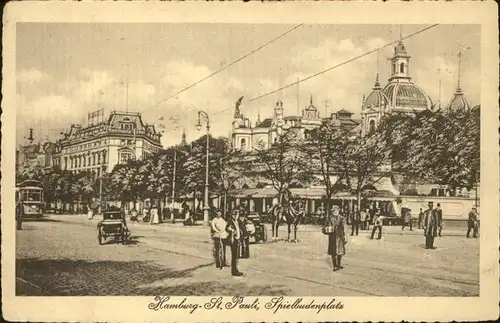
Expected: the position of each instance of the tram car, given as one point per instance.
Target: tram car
(29, 194)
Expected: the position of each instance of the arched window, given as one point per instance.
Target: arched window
(243, 144)
(394, 68)
(372, 126)
(402, 68)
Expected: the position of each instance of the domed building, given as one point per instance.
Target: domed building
(399, 95)
(459, 102)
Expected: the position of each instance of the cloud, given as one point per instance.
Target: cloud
(215, 96)
(31, 75)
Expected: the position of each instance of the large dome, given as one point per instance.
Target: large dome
(406, 96)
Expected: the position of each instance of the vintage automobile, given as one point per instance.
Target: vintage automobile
(112, 224)
(256, 227)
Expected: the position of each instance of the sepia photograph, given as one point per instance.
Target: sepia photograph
(284, 160)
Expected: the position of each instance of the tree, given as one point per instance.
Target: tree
(440, 147)
(329, 154)
(364, 158)
(125, 181)
(283, 162)
(225, 168)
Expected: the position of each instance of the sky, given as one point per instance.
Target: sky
(66, 70)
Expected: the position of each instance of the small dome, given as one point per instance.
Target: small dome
(407, 96)
(377, 98)
(459, 102)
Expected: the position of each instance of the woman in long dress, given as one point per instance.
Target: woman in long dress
(337, 238)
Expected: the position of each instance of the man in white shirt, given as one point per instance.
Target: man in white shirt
(219, 235)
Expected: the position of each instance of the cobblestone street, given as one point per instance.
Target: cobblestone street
(61, 256)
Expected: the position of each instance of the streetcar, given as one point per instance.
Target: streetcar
(30, 194)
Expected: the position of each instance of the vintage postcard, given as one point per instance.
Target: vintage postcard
(211, 162)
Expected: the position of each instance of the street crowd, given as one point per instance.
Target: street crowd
(235, 232)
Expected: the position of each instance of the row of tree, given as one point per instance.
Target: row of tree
(440, 147)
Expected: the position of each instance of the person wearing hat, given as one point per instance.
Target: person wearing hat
(337, 238)
(472, 223)
(439, 213)
(235, 235)
(219, 235)
(430, 224)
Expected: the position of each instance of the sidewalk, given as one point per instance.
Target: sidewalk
(309, 228)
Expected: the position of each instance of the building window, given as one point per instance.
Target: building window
(93, 159)
(402, 68)
(243, 144)
(90, 160)
(124, 157)
(372, 126)
(104, 157)
(84, 162)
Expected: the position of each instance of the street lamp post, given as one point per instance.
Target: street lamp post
(204, 115)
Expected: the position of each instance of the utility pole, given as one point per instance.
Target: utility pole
(172, 216)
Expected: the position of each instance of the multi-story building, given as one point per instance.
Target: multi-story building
(246, 136)
(99, 147)
(400, 94)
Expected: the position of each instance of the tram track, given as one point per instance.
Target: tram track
(360, 268)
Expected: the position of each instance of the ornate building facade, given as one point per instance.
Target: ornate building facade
(247, 137)
(400, 94)
(99, 147)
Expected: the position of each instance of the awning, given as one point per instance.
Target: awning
(305, 193)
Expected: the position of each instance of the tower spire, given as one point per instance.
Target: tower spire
(377, 83)
(183, 141)
(459, 67)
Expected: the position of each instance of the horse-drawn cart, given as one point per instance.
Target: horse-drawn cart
(112, 224)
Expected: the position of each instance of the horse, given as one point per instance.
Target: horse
(292, 217)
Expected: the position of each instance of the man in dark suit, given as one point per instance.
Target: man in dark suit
(355, 221)
(245, 236)
(472, 223)
(235, 235)
(430, 226)
(439, 213)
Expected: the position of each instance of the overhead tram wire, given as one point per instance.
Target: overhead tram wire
(225, 67)
(341, 64)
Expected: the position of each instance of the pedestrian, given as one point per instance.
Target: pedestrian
(420, 218)
(407, 220)
(362, 219)
(233, 228)
(372, 211)
(472, 223)
(19, 214)
(430, 226)
(355, 221)
(378, 222)
(90, 213)
(335, 229)
(439, 213)
(219, 236)
(244, 223)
